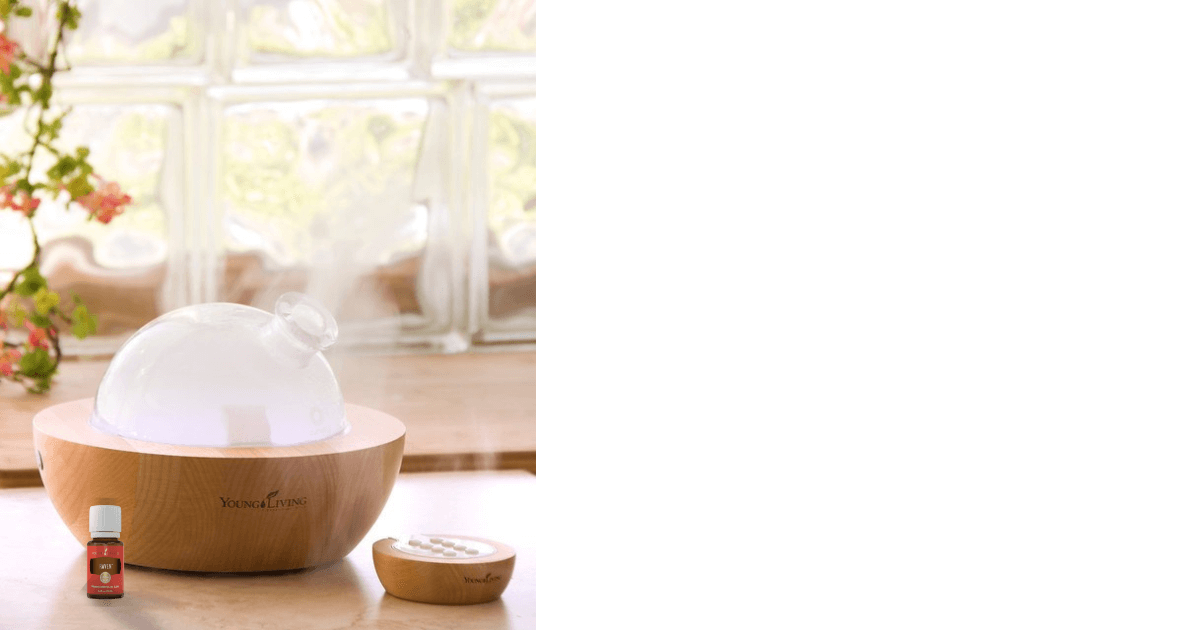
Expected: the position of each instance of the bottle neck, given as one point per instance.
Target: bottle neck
(106, 535)
(283, 344)
(300, 328)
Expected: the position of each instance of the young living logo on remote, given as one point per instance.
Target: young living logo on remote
(483, 580)
(269, 503)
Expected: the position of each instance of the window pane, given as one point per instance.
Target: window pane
(344, 199)
(511, 218)
(493, 25)
(138, 32)
(283, 30)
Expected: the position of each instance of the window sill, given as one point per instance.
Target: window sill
(472, 411)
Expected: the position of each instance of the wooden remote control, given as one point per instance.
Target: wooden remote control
(444, 569)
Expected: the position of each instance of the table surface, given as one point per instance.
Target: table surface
(43, 585)
(471, 411)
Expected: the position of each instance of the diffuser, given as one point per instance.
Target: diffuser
(220, 431)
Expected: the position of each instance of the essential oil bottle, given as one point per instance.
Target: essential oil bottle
(105, 553)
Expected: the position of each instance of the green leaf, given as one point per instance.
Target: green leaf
(30, 282)
(61, 168)
(24, 11)
(81, 156)
(40, 385)
(79, 187)
(45, 300)
(17, 313)
(83, 323)
(36, 362)
(41, 321)
(68, 15)
(43, 94)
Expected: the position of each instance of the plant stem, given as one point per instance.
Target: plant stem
(47, 73)
(41, 141)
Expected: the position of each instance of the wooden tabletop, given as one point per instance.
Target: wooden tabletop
(44, 586)
(471, 411)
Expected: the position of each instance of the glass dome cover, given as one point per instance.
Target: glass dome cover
(226, 375)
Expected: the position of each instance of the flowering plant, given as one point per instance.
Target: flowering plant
(31, 314)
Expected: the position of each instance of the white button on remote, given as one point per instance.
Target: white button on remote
(441, 547)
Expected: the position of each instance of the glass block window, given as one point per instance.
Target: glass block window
(358, 150)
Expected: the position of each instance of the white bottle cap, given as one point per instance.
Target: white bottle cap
(105, 521)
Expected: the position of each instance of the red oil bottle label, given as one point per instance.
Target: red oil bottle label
(106, 570)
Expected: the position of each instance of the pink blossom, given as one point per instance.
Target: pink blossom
(25, 204)
(21, 202)
(106, 202)
(38, 337)
(8, 50)
(7, 359)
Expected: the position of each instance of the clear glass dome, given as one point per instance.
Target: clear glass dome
(226, 375)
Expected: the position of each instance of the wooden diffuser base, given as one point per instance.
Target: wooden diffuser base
(222, 509)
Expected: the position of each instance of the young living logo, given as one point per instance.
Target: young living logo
(483, 580)
(269, 503)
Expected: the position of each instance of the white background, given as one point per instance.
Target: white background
(869, 315)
